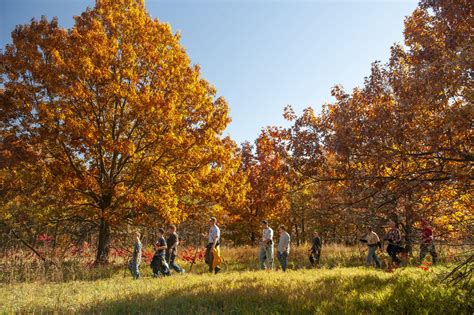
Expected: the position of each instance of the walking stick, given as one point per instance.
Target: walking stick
(194, 259)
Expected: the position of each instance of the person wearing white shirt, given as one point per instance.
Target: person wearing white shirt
(266, 247)
(214, 237)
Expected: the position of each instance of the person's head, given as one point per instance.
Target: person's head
(171, 228)
(368, 228)
(392, 224)
(315, 233)
(265, 223)
(282, 228)
(160, 232)
(137, 235)
(212, 221)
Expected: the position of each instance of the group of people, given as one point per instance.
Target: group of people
(395, 246)
(166, 251)
(283, 248)
(165, 255)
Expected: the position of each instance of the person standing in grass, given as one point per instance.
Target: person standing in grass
(427, 245)
(373, 242)
(172, 249)
(394, 238)
(315, 251)
(266, 247)
(158, 263)
(283, 247)
(212, 255)
(134, 263)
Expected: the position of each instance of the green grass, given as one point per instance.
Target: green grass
(340, 286)
(326, 291)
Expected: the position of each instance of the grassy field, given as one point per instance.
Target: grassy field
(325, 291)
(340, 286)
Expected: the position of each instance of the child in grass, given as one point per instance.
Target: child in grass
(158, 263)
(134, 263)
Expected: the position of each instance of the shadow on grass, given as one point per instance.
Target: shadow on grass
(331, 294)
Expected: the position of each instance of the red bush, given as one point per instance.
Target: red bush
(191, 254)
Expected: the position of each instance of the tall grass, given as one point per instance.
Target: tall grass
(319, 291)
(22, 267)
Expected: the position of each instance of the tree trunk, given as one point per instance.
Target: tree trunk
(103, 243)
(409, 224)
(303, 229)
(297, 235)
(252, 238)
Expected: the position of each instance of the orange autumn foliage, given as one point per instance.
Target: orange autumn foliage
(122, 126)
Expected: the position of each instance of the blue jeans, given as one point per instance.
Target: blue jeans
(133, 266)
(159, 265)
(372, 255)
(170, 258)
(266, 257)
(283, 259)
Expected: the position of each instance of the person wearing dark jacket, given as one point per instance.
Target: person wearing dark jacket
(158, 263)
(172, 249)
(394, 239)
(315, 251)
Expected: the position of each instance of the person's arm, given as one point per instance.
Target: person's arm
(379, 243)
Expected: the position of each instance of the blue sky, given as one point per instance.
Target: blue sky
(261, 55)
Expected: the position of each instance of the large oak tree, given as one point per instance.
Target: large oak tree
(119, 125)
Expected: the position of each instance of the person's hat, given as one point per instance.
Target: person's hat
(264, 222)
(213, 219)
